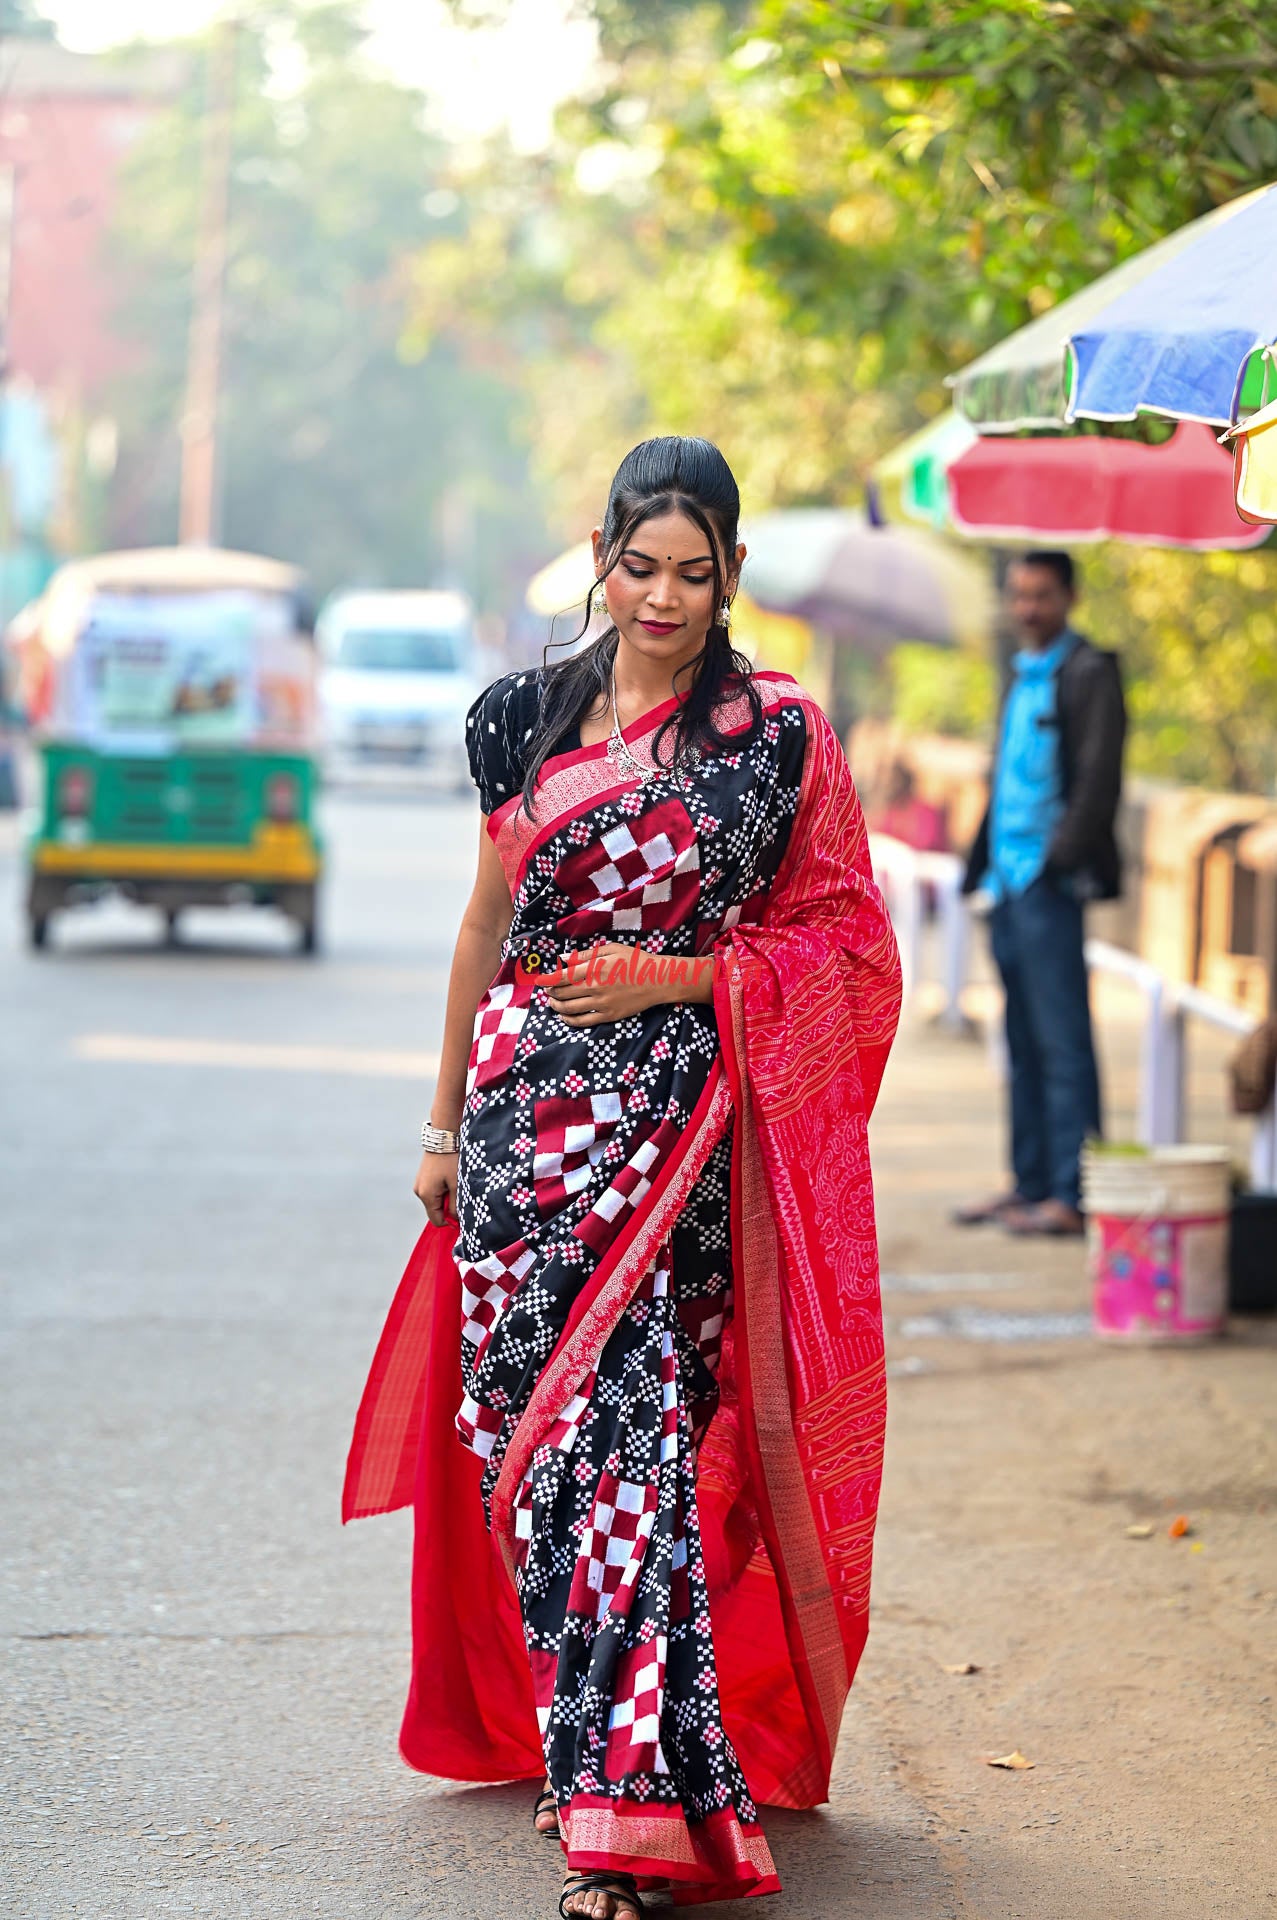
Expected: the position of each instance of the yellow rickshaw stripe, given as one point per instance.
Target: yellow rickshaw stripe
(110, 860)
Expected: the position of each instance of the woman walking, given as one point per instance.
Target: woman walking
(645, 1500)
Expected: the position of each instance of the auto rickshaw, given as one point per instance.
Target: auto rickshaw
(172, 698)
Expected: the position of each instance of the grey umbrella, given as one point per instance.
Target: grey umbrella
(867, 585)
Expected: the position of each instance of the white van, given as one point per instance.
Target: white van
(398, 672)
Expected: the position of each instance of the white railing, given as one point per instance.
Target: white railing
(904, 874)
(1164, 1055)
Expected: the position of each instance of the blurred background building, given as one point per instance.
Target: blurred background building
(67, 123)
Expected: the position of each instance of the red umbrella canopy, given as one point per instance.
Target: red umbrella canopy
(1091, 487)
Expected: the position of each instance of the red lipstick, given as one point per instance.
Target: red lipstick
(659, 626)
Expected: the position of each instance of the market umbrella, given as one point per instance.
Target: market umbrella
(866, 585)
(1093, 487)
(913, 479)
(1181, 330)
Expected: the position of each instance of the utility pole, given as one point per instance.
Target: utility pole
(200, 515)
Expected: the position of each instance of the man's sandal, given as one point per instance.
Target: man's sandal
(621, 1889)
(546, 1802)
(987, 1213)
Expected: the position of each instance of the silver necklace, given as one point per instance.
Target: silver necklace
(619, 750)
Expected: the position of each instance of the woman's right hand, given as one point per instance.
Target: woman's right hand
(436, 1186)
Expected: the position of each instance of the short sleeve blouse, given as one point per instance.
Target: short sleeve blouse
(498, 728)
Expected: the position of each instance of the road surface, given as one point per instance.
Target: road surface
(207, 1156)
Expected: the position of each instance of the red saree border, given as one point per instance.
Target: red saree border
(658, 1844)
(558, 773)
(576, 756)
(784, 1508)
(599, 1306)
(821, 1017)
(561, 767)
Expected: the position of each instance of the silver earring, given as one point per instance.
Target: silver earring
(725, 615)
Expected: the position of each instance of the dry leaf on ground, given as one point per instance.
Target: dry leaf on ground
(1016, 1761)
(1178, 1528)
(1141, 1532)
(962, 1666)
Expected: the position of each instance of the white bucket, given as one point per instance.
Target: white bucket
(1157, 1237)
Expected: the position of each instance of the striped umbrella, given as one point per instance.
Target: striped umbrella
(913, 479)
(1183, 330)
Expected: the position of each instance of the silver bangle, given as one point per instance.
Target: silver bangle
(438, 1139)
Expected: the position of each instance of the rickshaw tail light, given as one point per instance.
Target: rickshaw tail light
(282, 797)
(75, 793)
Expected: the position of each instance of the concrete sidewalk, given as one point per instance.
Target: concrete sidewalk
(1137, 1674)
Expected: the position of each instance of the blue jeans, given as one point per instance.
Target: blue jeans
(1055, 1088)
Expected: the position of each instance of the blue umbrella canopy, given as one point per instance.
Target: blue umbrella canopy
(1182, 330)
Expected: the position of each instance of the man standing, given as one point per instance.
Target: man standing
(1044, 848)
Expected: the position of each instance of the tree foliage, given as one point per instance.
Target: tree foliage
(1198, 642)
(343, 451)
(782, 223)
(1064, 136)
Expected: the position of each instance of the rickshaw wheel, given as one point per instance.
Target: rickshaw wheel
(42, 896)
(306, 914)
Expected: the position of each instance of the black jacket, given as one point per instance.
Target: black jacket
(1091, 715)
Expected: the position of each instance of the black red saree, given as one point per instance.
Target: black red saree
(664, 1276)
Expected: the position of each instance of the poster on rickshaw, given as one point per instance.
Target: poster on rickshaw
(286, 679)
(168, 670)
(161, 669)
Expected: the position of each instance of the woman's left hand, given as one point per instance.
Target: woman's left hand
(611, 981)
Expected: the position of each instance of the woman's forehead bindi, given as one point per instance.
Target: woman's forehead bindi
(691, 560)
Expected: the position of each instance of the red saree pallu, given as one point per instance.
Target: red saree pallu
(635, 1393)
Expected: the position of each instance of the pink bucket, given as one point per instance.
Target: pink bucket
(1157, 1237)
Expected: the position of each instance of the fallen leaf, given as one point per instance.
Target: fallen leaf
(1015, 1760)
(963, 1666)
(1178, 1528)
(1141, 1532)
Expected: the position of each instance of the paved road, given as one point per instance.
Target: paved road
(205, 1161)
(199, 1257)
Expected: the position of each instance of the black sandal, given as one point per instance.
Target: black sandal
(622, 1888)
(546, 1802)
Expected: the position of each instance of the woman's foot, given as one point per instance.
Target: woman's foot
(600, 1896)
(545, 1814)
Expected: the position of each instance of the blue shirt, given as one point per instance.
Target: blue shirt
(1028, 786)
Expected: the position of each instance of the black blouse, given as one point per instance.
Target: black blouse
(498, 728)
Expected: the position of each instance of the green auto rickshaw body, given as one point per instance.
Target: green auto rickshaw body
(175, 725)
